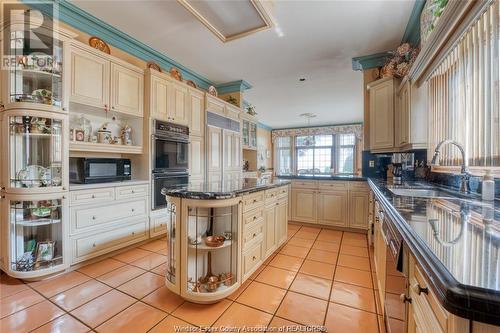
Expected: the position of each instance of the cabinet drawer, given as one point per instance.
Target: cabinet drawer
(92, 196)
(99, 243)
(272, 193)
(358, 185)
(253, 234)
(253, 201)
(251, 259)
(134, 191)
(251, 217)
(312, 184)
(86, 217)
(158, 225)
(283, 191)
(333, 185)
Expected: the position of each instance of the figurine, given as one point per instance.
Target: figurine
(104, 134)
(127, 135)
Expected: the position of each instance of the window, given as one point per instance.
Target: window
(346, 153)
(283, 155)
(464, 96)
(314, 154)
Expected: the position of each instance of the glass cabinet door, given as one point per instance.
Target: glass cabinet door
(245, 133)
(36, 233)
(253, 135)
(37, 77)
(212, 250)
(35, 152)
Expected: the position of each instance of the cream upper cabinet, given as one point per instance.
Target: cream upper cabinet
(332, 208)
(196, 157)
(89, 78)
(197, 117)
(214, 104)
(304, 205)
(402, 117)
(127, 90)
(214, 149)
(382, 101)
(158, 97)
(233, 112)
(358, 209)
(177, 110)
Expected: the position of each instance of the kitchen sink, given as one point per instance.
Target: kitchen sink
(420, 192)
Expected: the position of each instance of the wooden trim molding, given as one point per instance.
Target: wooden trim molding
(474, 170)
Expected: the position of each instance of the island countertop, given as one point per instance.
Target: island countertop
(456, 240)
(223, 190)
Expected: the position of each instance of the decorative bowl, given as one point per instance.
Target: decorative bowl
(215, 241)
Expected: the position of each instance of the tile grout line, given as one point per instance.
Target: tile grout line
(333, 281)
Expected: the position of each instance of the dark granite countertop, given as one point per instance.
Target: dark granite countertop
(456, 240)
(223, 190)
(325, 177)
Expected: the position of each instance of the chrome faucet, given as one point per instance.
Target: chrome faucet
(464, 172)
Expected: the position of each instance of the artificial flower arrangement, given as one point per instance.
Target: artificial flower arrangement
(399, 64)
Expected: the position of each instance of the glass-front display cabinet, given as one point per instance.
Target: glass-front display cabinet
(33, 234)
(209, 249)
(249, 133)
(34, 75)
(35, 152)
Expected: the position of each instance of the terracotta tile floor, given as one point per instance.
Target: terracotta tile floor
(320, 277)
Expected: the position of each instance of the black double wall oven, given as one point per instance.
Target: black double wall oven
(170, 153)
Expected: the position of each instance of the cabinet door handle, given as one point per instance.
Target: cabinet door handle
(404, 298)
(133, 191)
(93, 217)
(93, 245)
(133, 210)
(93, 196)
(133, 232)
(254, 235)
(419, 289)
(253, 258)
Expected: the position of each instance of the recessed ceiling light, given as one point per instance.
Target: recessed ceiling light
(302, 79)
(278, 31)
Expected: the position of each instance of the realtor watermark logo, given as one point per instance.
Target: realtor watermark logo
(28, 35)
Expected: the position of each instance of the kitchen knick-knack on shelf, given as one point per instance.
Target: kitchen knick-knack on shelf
(251, 110)
(104, 134)
(127, 135)
(399, 64)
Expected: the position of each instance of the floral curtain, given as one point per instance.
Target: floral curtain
(357, 129)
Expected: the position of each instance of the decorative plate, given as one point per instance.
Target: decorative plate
(191, 84)
(174, 72)
(99, 44)
(34, 176)
(212, 91)
(41, 212)
(154, 65)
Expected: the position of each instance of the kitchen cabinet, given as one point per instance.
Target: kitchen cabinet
(196, 158)
(271, 219)
(105, 82)
(303, 203)
(158, 97)
(379, 254)
(249, 131)
(89, 78)
(197, 117)
(214, 149)
(402, 115)
(332, 208)
(232, 153)
(358, 209)
(282, 220)
(177, 108)
(382, 104)
(127, 90)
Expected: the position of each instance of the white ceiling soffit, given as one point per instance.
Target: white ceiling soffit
(230, 19)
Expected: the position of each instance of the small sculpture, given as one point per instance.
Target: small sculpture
(127, 135)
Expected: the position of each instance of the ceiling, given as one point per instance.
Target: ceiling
(319, 39)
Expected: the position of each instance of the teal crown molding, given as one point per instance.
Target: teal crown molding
(412, 31)
(264, 126)
(83, 21)
(234, 86)
(369, 61)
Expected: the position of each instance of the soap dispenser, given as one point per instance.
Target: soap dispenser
(488, 186)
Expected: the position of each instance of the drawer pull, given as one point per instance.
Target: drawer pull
(93, 217)
(133, 232)
(255, 218)
(253, 258)
(419, 289)
(254, 200)
(93, 245)
(133, 210)
(93, 196)
(133, 191)
(404, 298)
(254, 235)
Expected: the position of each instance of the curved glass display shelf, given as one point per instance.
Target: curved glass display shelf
(36, 152)
(36, 77)
(211, 262)
(36, 235)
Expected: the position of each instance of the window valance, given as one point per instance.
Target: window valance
(357, 129)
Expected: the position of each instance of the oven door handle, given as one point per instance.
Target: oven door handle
(179, 139)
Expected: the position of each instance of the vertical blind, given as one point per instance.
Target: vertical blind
(463, 95)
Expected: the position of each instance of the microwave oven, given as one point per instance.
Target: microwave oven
(84, 170)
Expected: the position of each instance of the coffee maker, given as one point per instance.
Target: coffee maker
(397, 168)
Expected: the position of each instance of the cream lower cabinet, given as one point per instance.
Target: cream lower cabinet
(303, 203)
(270, 218)
(332, 208)
(334, 203)
(107, 219)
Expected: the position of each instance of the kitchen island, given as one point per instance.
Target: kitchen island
(453, 242)
(220, 233)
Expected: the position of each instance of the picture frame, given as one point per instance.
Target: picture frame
(44, 251)
(79, 135)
